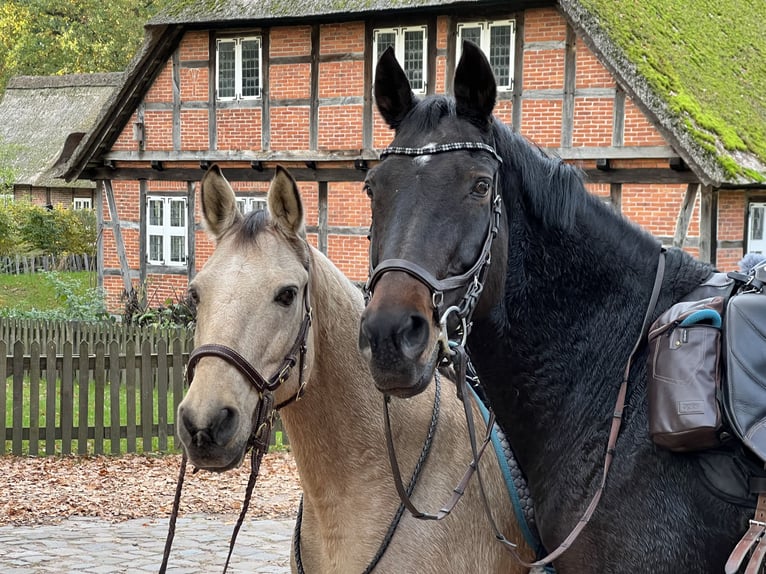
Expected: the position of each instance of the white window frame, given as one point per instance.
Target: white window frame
(238, 68)
(486, 30)
(248, 204)
(167, 231)
(399, 48)
(79, 203)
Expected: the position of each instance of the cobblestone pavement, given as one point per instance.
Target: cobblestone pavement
(94, 546)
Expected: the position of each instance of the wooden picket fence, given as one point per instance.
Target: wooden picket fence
(82, 388)
(17, 264)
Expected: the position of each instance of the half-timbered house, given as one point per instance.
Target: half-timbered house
(250, 84)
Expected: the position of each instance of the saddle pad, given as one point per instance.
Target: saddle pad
(745, 389)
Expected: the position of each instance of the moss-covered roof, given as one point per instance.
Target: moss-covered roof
(699, 67)
(206, 11)
(38, 113)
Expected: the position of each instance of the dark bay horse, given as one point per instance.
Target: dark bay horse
(253, 296)
(557, 314)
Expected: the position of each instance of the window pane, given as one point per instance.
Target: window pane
(472, 34)
(500, 54)
(251, 82)
(756, 223)
(177, 214)
(155, 211)
(413, 58)
(155, 248)
(384, 41)
(177, 249)
(226, 63)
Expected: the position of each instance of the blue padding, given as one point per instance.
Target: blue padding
(531, 539)
(707, 316)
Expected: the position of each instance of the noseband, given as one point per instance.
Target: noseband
(472, 279)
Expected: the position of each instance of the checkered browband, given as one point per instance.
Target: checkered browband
(440, 148)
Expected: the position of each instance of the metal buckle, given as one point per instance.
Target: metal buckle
(444, 340)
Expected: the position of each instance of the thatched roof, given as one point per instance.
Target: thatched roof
(39, 113)
(211, 11)
(697, 69)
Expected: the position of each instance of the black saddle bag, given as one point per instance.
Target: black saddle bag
(744, 396)
(684, 368)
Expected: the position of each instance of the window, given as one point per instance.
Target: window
(248, 204)
(756, 237)
(496, 39)
(238, 65)
(82, 203)
(409, 45)
(166, 230)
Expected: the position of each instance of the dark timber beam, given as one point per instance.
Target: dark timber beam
(685, 214)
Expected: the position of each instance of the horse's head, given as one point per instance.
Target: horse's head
(251, 297)
(435, 212)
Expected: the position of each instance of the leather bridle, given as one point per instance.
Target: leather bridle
(263, 417)
(472, 280)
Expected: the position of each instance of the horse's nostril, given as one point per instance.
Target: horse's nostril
(413, 336)
(224, 426)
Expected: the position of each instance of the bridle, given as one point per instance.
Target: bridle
(472, 280)
(263, 417)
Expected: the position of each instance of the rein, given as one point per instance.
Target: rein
(263, 417)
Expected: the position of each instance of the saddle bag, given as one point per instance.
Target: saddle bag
(684, 370)
(744, 396)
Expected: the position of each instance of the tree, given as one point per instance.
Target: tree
(50, 37)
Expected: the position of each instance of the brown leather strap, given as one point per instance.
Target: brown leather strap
(752, 537)
(610, 447)
(457, 492)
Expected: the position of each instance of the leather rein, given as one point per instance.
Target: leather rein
(453, 353)
(263, 417)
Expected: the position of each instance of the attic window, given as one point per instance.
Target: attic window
(496, 39)
(410, 47)
(238, 68)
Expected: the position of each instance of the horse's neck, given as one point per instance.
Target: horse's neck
(336, 429)
(573, 309)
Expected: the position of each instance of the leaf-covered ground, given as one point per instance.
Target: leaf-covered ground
(48, 490)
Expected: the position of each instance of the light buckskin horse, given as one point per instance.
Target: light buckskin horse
(250, 297)
(555, 316)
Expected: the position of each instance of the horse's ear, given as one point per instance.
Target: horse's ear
(475, 86)
(219, 205)
(393, 94)
(285, 203)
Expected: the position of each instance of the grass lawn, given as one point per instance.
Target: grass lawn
(29, 291)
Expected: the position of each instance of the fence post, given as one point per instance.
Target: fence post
(50, 399)
(114, 396)
(147, 401)
(18, 395)
(3, 386)
(99, 374)
(130, 386)
(83, 384)
(162, 394)
(34, 398)
(67, 398)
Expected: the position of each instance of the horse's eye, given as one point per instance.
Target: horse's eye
(193, 295)
(286, 296)
(368, 190)
(481, 187)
